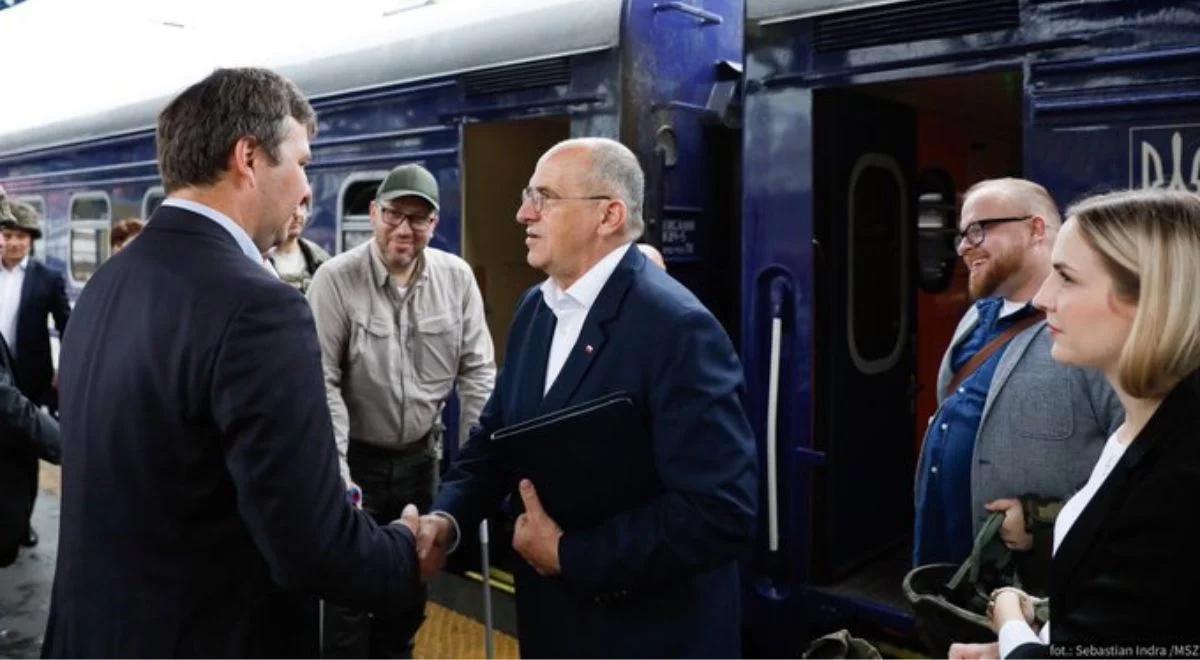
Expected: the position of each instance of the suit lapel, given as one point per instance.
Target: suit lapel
(28, 286)
(1162, 427)
(533, 376)
(1009, 358)
(593, 336)
(945, 374)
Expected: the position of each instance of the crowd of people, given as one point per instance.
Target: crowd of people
(249, 425)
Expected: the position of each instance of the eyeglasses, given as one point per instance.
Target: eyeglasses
(974, 233)
(537, 199)
(416, 221)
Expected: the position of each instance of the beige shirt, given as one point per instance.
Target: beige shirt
(391, 361)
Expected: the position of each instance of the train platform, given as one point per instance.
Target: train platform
(453, 626)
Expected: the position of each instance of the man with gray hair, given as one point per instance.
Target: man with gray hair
(1015, 431)
(654, 579)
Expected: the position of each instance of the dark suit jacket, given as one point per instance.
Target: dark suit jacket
(43, 294)
(659, 580)
(1127, 571)
(201, 496)
(26, 433)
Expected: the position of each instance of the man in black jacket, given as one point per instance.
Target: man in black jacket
(26, 434)
(203, 512)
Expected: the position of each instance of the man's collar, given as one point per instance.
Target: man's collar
(239, 234)
(587, 288)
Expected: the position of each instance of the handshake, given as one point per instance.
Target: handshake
(433, 534)
(535, 535)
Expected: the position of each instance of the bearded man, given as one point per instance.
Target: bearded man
(1015, 431)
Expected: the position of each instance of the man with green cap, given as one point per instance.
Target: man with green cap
(400, 324)
(30, 292)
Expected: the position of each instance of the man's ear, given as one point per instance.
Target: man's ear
(242, 159)
(616, 215)
(1037, 225)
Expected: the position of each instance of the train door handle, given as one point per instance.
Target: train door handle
(781, 295)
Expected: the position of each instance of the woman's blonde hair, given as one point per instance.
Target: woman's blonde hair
(1149, 242)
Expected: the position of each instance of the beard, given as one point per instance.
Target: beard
(999, 268)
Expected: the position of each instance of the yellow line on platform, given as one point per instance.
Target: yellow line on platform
(448, 634)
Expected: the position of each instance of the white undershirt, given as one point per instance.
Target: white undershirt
(571, 308)
(1016, 633)
(11, 282)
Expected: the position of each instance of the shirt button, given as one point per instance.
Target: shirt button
(961, 390)
(933, 469)
(945, 426)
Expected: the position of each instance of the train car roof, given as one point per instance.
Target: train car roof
(415, 40)
(778, 11)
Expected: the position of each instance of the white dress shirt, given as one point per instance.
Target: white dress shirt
(11, 282)
(571, 308)
(1015, 633)
(235, 230)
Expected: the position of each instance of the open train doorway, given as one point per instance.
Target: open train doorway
(891, 162)
(498, 159)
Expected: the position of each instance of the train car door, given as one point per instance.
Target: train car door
(864, 162)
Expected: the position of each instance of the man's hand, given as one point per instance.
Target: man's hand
(1012, 530)
(433, 543)
(974, 651)
(411, 519)
(536, 535)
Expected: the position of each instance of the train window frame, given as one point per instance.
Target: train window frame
(865, 365)
(101, 226)
(353, 223)
(146, 196)
(39, 245)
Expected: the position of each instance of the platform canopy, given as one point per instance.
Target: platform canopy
(81, 69)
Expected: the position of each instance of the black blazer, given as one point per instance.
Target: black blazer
(202, 506)
(26, 434)
(658, 580)
(1127, 573)
(43, 294)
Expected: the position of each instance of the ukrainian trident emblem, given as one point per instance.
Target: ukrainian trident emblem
(1169, 158)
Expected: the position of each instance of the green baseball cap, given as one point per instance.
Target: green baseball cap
(409, 181)
(26, 219)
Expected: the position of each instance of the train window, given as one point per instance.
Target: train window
(153, 198)
(39, 204)
(90, 214)
(354, 208)
(878, 246)
(937, 227)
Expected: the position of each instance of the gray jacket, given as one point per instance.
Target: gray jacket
(1043, 425)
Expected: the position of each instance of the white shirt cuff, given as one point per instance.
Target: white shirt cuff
(454, 523)
(1014, 634)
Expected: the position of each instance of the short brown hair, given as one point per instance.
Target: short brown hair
(125, 230)
(1148, 241)
(199, 127)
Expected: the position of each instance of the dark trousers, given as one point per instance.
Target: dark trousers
(389, 479)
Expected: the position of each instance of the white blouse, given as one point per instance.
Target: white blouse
(1016, 633)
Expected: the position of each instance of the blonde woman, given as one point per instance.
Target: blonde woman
(1124, 298)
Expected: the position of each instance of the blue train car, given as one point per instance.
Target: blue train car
(865, 121)
(474, 92)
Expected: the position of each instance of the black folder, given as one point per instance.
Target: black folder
(588, 462)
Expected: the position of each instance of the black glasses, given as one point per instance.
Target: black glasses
(537, 199)
(974, 233)
(416, 221)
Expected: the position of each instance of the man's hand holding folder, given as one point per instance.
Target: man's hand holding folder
(536, 534)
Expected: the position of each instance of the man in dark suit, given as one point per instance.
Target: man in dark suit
(202, 507)
(659, 579)
(30, 292)
(26, 434)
